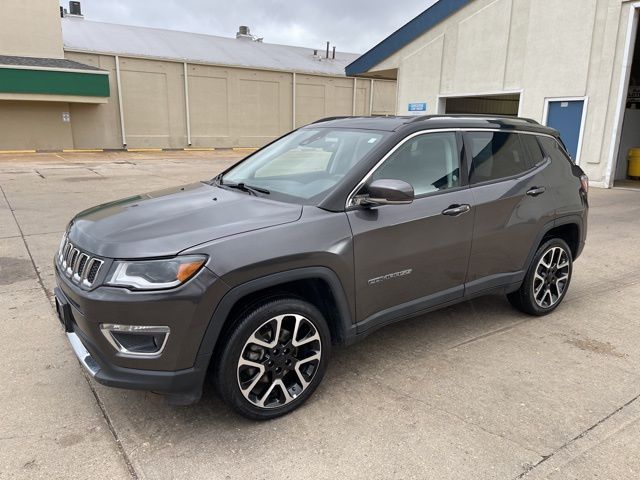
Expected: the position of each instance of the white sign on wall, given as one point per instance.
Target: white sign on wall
(66, 117)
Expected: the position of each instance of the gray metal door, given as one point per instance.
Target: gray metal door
(409, 257)
(406, 253)
(513, 202)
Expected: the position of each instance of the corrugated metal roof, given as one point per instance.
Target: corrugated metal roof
(44, 63)
(90, 36)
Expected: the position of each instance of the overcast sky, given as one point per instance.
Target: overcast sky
(350, 25)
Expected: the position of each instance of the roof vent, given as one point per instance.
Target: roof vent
(244, 33)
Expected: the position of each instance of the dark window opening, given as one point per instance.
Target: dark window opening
(496, 155)
(508, 104)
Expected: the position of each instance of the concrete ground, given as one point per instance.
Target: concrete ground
(473, 391)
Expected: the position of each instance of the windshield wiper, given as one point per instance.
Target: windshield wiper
(246, 188)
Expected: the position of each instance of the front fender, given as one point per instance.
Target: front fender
(345, 325)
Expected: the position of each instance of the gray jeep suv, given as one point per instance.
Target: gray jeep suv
(318, 239)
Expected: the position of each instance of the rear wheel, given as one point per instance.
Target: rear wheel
(274, 359)
(547, 279)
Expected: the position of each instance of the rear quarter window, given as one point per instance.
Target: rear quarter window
(533, 148)
(496, 155)
(553, 149)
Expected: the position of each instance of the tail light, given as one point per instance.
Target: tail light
(584, 182)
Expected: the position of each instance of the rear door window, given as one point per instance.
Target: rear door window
(496, 155)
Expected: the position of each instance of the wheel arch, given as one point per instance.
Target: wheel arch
(318, 285)
(568, 229)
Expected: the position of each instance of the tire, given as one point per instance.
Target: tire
(277, 375)
(547, 280)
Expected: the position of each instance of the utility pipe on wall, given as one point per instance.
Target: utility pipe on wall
(355, 93)
(371, 99)
(119, 84)
(293, 100)
(186, 103)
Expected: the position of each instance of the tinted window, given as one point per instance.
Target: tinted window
(553, 149)
(496, 155)
(428, 162)
(532, 146)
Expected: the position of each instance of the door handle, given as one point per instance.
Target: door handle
(455, 210)
(535, 191)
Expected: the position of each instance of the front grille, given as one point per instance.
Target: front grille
(93, 271)
(79, 266)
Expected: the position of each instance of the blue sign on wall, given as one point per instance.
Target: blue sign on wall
(417, 107)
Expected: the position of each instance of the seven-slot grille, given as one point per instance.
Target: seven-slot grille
(78, 265)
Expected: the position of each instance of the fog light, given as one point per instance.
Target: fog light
(138, 340)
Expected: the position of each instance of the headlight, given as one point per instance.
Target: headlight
(154, 274)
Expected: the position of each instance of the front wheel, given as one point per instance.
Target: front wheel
(274, 359)
(547, 280)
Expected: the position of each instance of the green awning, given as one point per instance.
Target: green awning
(24, 75)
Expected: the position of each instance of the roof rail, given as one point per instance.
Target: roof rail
(328, 119)
(424, 117)
(475, 115)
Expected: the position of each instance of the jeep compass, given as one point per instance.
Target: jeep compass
(318, 239)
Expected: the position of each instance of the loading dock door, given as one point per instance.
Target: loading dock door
(566, 117)
(504, 104)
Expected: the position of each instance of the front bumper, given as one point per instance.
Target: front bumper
(182, 387)
(179, 371)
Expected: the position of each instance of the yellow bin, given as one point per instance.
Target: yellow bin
(633, 170)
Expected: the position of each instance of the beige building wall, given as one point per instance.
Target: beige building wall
(228, 107)
(318, 97)
(539, 48)
(232, 107)
(34, 125)
(97, 126)
(31, 28)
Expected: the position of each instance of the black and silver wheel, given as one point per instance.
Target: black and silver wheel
(547, 280)
(274, 359)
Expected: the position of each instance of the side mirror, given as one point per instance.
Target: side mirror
(387, 192)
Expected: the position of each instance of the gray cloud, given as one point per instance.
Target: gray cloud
(353, 26)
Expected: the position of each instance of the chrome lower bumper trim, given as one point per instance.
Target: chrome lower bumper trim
(83, 355)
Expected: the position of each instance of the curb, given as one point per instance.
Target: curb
(133, 150)
(79, 150)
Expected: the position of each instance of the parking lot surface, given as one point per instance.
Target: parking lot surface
(476, 391)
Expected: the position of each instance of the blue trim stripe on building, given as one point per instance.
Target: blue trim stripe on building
(405, 35)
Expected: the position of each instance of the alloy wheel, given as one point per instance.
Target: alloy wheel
(551, 277)
(279, 361)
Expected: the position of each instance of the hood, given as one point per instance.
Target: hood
(165, 222)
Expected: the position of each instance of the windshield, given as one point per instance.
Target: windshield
(305, 164)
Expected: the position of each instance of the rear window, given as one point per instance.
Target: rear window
(554, 150)
(496, 155)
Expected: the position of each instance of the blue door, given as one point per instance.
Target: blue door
(566, 117)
